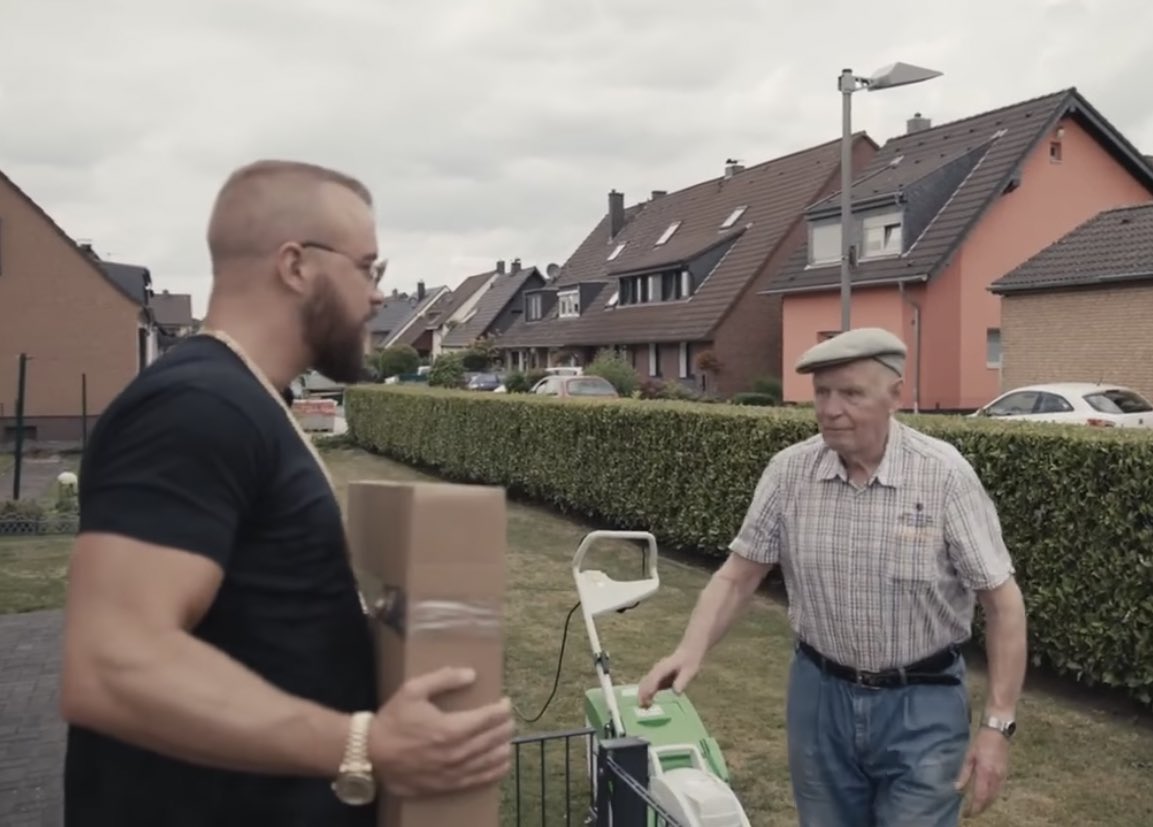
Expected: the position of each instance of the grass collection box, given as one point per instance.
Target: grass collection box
(430, 563)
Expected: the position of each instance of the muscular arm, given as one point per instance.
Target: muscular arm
(722, 601)
(133, 671)
(1006, 647)
(164, 490)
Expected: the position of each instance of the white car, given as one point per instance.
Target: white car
(1075, 403)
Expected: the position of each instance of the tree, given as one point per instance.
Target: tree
(447, 371)
(396, 360)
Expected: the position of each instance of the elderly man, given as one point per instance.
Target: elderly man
(885, 538)
(218, 668)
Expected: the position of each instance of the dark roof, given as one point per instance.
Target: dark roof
(946, 177)
(439, 298)
(503, 290)
(774, 195)
(1113, 246)
(394, 312)
(133, 281)
(172, 308)
(463, 293)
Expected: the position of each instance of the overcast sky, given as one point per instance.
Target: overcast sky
(491, 129)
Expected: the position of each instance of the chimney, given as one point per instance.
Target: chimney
(500, 267)
(616, 213)
(515, 266)
(420, 291)
(659, 194)
(732, 167)
(917, 124)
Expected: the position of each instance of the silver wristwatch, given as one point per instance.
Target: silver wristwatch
(354, 783)
(1003, 726)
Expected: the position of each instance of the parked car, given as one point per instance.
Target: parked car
(1080, 403)
(575, 386)
(564, 370)
(483, 381)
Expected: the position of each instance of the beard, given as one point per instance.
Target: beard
(335, 341)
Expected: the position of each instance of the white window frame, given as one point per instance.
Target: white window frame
(882, 236)
(832, 231)
(668, 233)
(569, 304)
(654, 359)
(533, 307)
(686, 284)
(733, 216)
(993, 335)
(683, 361)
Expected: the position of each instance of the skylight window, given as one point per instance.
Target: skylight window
(667, 234)
(733, 216)
(617, 250)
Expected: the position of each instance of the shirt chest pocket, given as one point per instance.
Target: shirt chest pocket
(916, 555)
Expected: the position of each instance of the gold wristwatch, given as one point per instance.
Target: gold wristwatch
(355, 784)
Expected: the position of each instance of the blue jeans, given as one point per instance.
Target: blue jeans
(864, 757)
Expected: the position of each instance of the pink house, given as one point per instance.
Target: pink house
(943, 212)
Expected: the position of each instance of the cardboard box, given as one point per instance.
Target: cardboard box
(430, 562)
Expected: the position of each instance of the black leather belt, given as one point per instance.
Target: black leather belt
(930, 670)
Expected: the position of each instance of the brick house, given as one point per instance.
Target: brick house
(674, 282)
(1080, 310)
(66, 310)
(942, 213)
(461, 305)
(403, 319)
(497, 308)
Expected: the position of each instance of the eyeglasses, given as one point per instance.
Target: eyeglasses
(374, 271)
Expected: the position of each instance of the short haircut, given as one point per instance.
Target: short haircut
(264, 197)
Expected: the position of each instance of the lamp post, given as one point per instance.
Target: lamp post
(896, 74)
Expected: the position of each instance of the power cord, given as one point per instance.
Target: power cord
(556, 678)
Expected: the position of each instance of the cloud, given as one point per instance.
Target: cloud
(493, 130)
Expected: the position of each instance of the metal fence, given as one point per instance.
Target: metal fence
(567, 778)
(65, 524)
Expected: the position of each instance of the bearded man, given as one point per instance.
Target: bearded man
(218, 667)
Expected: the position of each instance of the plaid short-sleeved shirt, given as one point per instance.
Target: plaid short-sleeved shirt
(881, 575)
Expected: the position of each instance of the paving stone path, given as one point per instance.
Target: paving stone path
(31, 731)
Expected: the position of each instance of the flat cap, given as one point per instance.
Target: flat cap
(854, 345)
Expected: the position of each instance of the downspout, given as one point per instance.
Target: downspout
(916, 347)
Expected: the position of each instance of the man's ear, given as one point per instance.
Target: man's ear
(291, 268)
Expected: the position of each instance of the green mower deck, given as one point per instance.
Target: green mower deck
(670, 720)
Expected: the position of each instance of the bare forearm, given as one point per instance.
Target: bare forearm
(176, 695)
(1007, 652)
(722, 601)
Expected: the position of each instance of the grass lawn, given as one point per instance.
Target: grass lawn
(1073, 762)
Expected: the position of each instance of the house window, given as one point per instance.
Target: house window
(824, 243)
(1055, 151)
(993, 347)
(569, 304)
(654, 360)
(616, 251)
(532, 307)
(882, 236)
(822, 335)
(733, 216)
(683, 361)
(667, 234)
(635, 290)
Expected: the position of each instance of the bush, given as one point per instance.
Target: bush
(517, 382)
(761, 399)
(620, 374)
(476, 360)
(771, 387)
(396, 360)
(447, 371)
(1076, 504)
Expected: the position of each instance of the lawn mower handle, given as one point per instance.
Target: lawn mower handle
(594, 536)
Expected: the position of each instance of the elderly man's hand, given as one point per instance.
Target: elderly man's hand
(984, 771)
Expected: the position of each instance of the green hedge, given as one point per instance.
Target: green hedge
(1076, 504)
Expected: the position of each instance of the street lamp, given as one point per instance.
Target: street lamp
(896, 74)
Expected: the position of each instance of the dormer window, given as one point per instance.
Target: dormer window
(733, 217)
(532, 304)
(881, 235)
(617, 250)
(667, 234)
(569, 304)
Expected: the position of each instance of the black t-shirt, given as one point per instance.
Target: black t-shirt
(195, 454)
